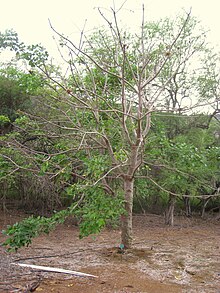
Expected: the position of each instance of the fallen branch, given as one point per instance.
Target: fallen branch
(52, 255)
(56, 270)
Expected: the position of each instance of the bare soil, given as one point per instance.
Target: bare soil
(184, 258)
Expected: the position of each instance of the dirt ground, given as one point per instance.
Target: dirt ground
(184, 258)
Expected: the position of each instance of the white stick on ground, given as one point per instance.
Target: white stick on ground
(56, 270)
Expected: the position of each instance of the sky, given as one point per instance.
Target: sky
(30, 18)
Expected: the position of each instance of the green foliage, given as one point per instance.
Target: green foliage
(95, 166)
(6, 168)
(98, 210)
(12, 97)
(192, 166)
(16, 88)
(35, 55)
(9, 39)
(181, 158)
(21, 234)
(4, 120)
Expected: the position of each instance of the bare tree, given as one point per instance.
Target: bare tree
(133, 67)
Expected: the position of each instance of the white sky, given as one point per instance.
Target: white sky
(29, 18)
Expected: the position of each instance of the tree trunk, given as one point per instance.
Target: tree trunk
(205, 202)
(169, 214)
(126, 220)
(187, 206)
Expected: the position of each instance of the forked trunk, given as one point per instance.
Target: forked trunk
(126, 220)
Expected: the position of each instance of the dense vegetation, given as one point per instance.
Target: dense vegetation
(134, 126)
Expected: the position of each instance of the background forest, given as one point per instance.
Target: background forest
(132, 124)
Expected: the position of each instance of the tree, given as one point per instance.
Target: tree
(16, 85)
(182, 161)
(104, 110)
(16, 88)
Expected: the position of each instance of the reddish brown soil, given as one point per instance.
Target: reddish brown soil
(185, 258)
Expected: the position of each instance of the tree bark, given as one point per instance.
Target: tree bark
(187, 206)
(169, 214)
(205, 202)
(126, 219)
